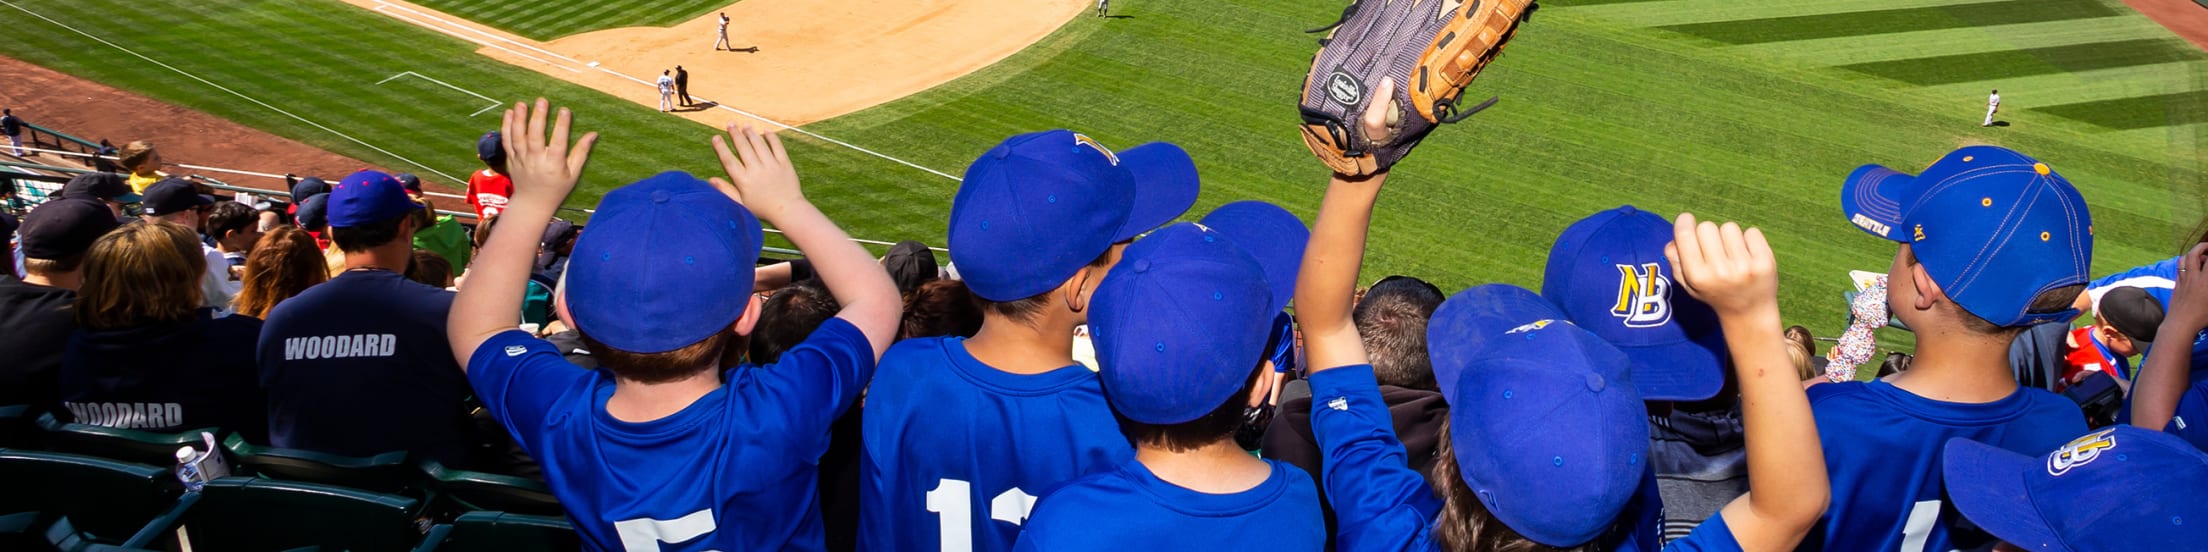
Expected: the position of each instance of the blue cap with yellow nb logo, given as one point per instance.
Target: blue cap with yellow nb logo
(2121, 488)
(1035, 209)
(1994, 228)
(1608, 273)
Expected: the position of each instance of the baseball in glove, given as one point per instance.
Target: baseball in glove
(1431, 48)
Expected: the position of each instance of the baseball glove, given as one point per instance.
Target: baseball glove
(1432, 49)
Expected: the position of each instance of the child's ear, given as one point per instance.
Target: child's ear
(1928, 290)
(750, 320)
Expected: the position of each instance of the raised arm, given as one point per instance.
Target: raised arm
(760, 177)
(1327, 282)
(2162, 381)
(544, 170)
(1735, 273)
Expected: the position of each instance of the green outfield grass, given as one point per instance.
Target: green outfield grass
(549, 19)
(1605, 103)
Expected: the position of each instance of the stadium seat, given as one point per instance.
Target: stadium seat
(249, 513)
(19, 427)
(503, 531)
(475, 491)
(383, 473)
(128, 445)
(63, 536)
(107, 501)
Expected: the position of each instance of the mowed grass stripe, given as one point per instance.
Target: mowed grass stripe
(1864, 23)
(1999, 38)
(2019, 93)
(2183, 108)
(1989, 66)
(549, 19)
(1678, 12)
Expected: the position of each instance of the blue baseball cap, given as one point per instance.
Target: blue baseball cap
(491, 148)
(308, 187)
(1180, 324)
(1035, 209)
(314, 211)
(1269, 233)
(1608, 274)
(368, 197)
(1993, 227)
(666, 264)
(2120, 488)
(1550, 433)
(171, 196)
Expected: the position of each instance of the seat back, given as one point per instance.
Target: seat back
(383, 473)
(19, 428)
(105, 499)
(248, 513)
(504, 531)
(128, 445)
(479, 491)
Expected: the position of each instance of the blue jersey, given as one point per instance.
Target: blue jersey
(360, 365)
(2159, 280)
(1882, 447)
(1380, 503)
(1130, 509)
(735, 470)
(956, 451)
(2191, 421)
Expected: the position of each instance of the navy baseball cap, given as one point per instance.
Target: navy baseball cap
(1180, 324)
(171, 196)
(409, 181)
(1272, 235)
(368, 197)
(2120, 488)
(99, 186)
(1549, 431)
(1608, 274)
(308, 187)
(1038, 207)
(1993, 227)
(314, 211)
(63, 228)
(692, 282)
(491, 147)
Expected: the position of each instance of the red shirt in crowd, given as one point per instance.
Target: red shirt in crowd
(487, 193)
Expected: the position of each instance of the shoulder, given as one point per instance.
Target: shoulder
(1837, 392)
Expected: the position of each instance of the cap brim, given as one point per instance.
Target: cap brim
(1873, 199)
(1683, 371)
(1987, 485)
(1165, 186)
(1466, 325)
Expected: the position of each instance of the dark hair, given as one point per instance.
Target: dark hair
(1464, 523)
(705, 355)
(1025, 309)
(1212, 427)
(1800, 335)
(1896, 362)
(2050, 301)
(231, 216)
(430, 268)
(1391, 320)
(940, 308)
(355, 239)
(788, 317)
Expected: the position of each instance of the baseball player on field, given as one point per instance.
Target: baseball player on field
(1993, 105)
(962, 434)
(655, 449)
(1103, 7)
(720, 31)
(666, 91)
(1990, 242)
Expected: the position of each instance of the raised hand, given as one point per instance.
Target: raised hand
(544, 168)
(760, 175)
(2189, 301)
(1730, 269)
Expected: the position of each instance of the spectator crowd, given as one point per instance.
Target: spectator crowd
(1087, 373)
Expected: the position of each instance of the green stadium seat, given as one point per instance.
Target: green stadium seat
(248, 514)
(476, 491)
(503, 531)
(128, 445)
(63, 536)
(107, 501)
(383, 473)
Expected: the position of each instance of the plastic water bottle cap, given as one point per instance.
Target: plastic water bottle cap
(184, 455)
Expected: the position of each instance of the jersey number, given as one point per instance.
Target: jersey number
(956, 522)
(1914, 532)
(645, 534)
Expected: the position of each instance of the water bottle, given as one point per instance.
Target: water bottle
(195, 468)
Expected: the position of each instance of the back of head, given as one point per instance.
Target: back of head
(2131, 312)
(2007, 240)
(940, 308)
(1391, 319)
(369, 209)
(430, 268)
(284, 263)
(141, 274)
(231, 216)
(1608, 273)
(665, 312)
(910, 264)
(788, 317)
(1465, 523)
(55, 235)
(135, 156)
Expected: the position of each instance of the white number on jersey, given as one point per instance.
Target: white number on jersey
(1919, 527)
(645, 534)
(956, 523)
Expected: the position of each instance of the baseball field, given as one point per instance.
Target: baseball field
(1750, 111)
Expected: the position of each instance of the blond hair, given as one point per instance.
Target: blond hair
(141, 274)
(134, 154)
